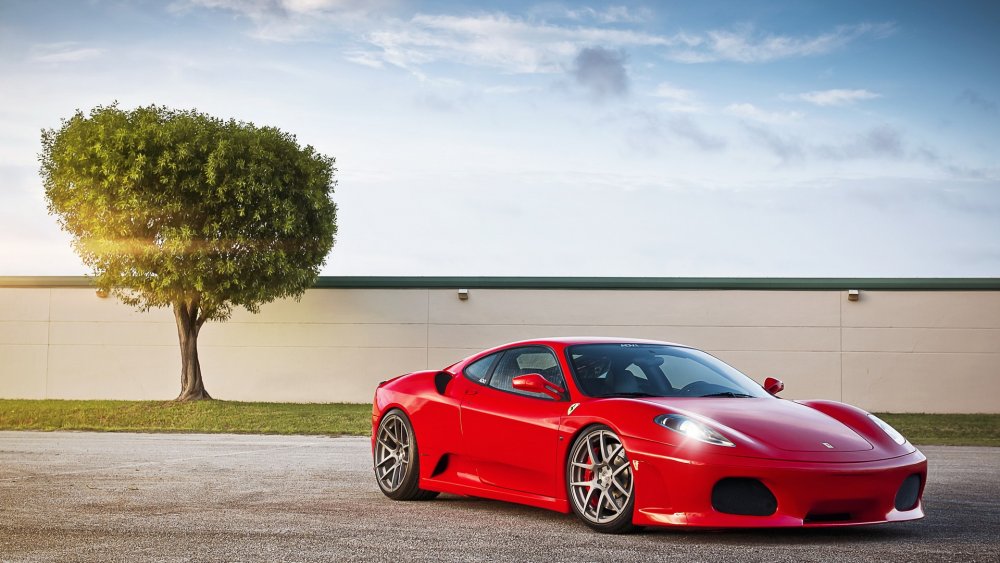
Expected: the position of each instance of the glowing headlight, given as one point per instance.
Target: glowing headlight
(892, 432)
(692, 429)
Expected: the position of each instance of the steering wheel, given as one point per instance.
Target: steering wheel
(695, 388)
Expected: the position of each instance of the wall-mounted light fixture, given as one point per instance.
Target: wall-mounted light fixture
(102, 293)
(853, 294)
(463, 294)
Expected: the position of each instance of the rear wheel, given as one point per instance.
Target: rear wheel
(397, 462)
(599, 481)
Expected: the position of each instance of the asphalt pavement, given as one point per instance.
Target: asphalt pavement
(68, 496)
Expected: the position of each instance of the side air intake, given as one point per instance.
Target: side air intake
(441, 381)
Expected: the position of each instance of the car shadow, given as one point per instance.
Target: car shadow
(784, 536)
(737, 536)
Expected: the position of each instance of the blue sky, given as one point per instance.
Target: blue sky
(579, 139)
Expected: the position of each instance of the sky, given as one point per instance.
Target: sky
(786, 138)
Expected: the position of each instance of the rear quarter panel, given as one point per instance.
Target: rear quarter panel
(434, 416)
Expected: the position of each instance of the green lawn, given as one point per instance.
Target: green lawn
(947, 429)
(201, 416)
(353, 419)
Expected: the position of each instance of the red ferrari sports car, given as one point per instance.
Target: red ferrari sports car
(628, 433)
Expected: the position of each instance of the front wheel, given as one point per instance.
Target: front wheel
(600, 484)
(397, 462)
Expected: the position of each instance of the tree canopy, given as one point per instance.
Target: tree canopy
(176, 208)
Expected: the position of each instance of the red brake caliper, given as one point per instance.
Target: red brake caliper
(589, 474)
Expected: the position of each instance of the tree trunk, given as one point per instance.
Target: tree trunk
(189, 319)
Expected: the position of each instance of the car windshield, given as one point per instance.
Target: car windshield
(656, 370)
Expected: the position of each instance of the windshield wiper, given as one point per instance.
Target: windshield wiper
(626, 394)
(729, 394)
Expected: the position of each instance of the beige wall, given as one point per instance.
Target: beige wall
(901, 351)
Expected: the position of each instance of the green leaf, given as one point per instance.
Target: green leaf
(165, 205)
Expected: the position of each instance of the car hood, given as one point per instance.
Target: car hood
(781, 424)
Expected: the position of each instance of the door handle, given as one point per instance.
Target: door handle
(471, 392)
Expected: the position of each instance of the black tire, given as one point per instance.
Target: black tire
(609, 475)
(396, 459)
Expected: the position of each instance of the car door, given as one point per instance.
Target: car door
(510, 434)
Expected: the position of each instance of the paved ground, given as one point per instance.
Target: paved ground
(141, 497)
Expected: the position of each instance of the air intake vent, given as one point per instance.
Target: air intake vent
(441, 381)
(743, 496)
(908, 494)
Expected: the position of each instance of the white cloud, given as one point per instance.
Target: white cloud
(498, 40)
(526, 46)
(836, 97)
(364, 58)
(68, 52)
(675, 99)
(611, 14)
(754, 113)
(542, 41)
(508, 89)
(745, 45)
(264, 8)
(289, 20)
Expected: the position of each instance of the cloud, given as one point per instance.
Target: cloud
(976, 100)
(498, 40)
(688, 129)
(527, 46)
(677, 100)
(288, 20)
(753, 113)
(67, 52)
(744, 44)
(836, 97)
(444, 96)
(882, 141)
(611, 14)
(653, 129)
(544, 40)
(602, 72)
(786, 149)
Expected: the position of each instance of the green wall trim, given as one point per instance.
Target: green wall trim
(45, 281)
(495, 282)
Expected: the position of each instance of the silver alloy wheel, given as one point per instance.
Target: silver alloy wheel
(600, 477)
(392, 452)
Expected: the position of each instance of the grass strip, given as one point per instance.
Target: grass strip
(947, 429)
(233, 417)
(334, 419)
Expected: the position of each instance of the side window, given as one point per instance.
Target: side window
(479, 370)
(522, 361)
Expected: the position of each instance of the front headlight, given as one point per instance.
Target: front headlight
(895, 435)
(692, 429)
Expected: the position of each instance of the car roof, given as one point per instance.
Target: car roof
(569, 340)
(563, 341)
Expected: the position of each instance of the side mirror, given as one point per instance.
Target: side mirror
(535, 383)
(773, 386)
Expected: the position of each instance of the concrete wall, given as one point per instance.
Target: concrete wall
(900, 351)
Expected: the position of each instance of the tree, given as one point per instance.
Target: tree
(180, 209)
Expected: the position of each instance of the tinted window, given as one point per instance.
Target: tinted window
(609, 370)
(522, 361)
(479, 370)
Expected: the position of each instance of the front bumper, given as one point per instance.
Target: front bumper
(673, 491)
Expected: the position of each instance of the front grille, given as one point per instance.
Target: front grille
(743, 496)
(829, 517)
